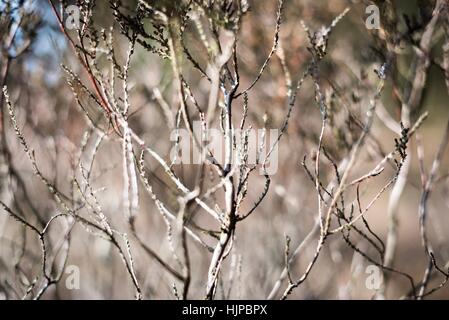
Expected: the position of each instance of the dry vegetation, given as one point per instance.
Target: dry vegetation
(95, 182)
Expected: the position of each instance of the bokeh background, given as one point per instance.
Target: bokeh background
(54, 126)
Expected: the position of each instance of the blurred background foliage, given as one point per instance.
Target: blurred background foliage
(54, 126)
